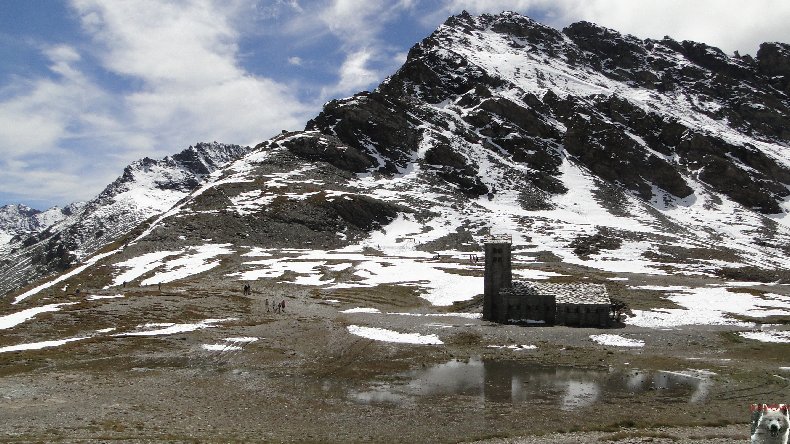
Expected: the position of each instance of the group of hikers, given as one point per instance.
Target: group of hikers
(276, 307)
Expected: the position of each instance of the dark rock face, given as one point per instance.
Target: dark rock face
(364, 212)
(616, 157)
(586, 245)
(454, 168)
(372, 123)
(331, 150)
(774, 62)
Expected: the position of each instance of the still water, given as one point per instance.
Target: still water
(506, 381)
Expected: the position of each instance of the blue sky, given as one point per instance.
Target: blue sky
(88, 86)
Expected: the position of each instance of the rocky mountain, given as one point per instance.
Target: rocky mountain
(19, 220)
(591, 147)
(50, 242)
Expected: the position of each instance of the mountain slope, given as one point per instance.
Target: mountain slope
(146, 188)
(590, 147)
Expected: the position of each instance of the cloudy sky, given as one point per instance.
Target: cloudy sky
(87, 86)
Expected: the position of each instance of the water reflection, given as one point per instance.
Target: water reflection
(518, 383)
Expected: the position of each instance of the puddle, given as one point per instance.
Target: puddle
(512, 382)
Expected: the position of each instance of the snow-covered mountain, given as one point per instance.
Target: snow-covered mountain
(591, 147)
(20, 220)
(51, 241)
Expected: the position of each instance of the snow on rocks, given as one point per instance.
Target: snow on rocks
(616, 340)
(140, 265)
(381, 334)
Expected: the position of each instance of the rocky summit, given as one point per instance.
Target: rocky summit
(657, 168)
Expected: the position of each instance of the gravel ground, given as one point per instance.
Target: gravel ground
(306, 379)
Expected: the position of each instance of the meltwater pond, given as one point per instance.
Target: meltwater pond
(568, 388)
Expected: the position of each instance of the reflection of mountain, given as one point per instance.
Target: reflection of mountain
(565, 388)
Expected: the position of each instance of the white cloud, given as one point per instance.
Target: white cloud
(297, 61)
(193, 87)
(358, 26)
(182, 84)
(354, 74)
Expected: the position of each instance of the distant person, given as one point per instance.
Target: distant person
(267, 305)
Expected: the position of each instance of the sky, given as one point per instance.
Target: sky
(88, 86)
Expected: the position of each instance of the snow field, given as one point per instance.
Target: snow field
(616, 340)
(231, 344)
(515, 347)
(709, 306)
(161, 329)
(381, 334)
(768, 336)
(14, 319)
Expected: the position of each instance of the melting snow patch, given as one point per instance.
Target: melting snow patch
(535, 274)
(170, 328)
(454, 315)
(220, 347)
(40, 345)
(361, 310)
(140, 265)
(617, 340)
(380, 334)
(768, 336)
(257, 252)
(19, 317)
(96, 297)
(515, 347)
(232, 346)
(710, 306)
(190, 264)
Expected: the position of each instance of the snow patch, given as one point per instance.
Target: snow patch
(19, 317)
(617, 340)
(381, 334)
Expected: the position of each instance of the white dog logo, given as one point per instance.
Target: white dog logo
(772, 424)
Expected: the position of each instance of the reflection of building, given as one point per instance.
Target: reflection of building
(505, 301)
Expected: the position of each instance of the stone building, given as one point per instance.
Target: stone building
(505, 301)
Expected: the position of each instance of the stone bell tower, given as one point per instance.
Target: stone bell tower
(497, 276)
